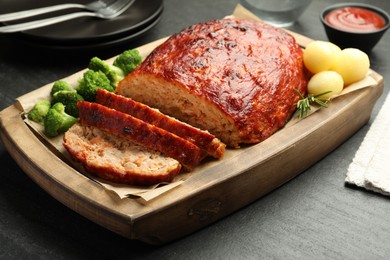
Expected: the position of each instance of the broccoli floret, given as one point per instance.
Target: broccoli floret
(57, 121)
(91, 82)
(113, 73)
(60, 85)
(39, 111)
(128, 60)
(69, 99)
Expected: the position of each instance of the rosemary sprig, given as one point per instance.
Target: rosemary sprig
(306, 103)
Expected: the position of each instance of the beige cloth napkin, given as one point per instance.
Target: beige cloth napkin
(370, 167)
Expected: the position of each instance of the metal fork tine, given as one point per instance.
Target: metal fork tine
(108, 12)
(121, 5)
(92, 6)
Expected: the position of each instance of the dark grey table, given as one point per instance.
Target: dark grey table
(314, 216)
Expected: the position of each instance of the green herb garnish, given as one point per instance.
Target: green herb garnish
(306, 103)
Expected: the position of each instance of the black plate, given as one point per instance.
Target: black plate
(89, 46)
(87, 29)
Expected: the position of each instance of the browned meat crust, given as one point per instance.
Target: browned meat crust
(202, 139)
(234, 78)
(117, 159)
(140, 132)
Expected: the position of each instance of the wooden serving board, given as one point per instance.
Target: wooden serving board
(218, 188)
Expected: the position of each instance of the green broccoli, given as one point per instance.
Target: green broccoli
(58, 86)
(69, 99)
(113, 73)
(57, 121)
(91, 82)
(39, 111)
(128, 60)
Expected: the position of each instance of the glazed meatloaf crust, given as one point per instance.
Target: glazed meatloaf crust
(202, 139)
(234, 78)
(117, 159)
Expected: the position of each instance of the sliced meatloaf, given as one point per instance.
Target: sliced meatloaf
(117, 159)
(140, 132)
(202, 139)
(234, 78)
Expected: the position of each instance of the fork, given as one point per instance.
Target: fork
(93, 6)
(105, 9)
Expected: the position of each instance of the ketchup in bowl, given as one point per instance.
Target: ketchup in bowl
(355, 19)
(355, 25)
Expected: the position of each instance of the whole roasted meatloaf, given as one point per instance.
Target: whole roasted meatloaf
(234, 78)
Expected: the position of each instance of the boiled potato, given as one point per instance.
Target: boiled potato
(320, 56)
(325, 81)
(334, 47)
(352, 64)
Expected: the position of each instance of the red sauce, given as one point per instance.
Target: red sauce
(355, 19)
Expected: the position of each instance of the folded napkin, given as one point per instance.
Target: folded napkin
(370, 168)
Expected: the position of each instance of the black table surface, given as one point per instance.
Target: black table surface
(314, 216)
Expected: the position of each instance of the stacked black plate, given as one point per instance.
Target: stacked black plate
(88, 33)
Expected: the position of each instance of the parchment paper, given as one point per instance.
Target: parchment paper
(145, 194)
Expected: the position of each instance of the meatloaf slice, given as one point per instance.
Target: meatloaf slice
(202, 139)
(234, 78)
(140, 132)
(117, 159)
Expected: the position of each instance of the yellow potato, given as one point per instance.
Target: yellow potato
(325, 81)
(334, 47)
(320, 56)
(352, 64)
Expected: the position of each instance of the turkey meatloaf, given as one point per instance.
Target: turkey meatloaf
(118, 159)
(234, 78)
(140, 132)
(202, 139)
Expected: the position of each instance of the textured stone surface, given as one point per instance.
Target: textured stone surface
(314, 216)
